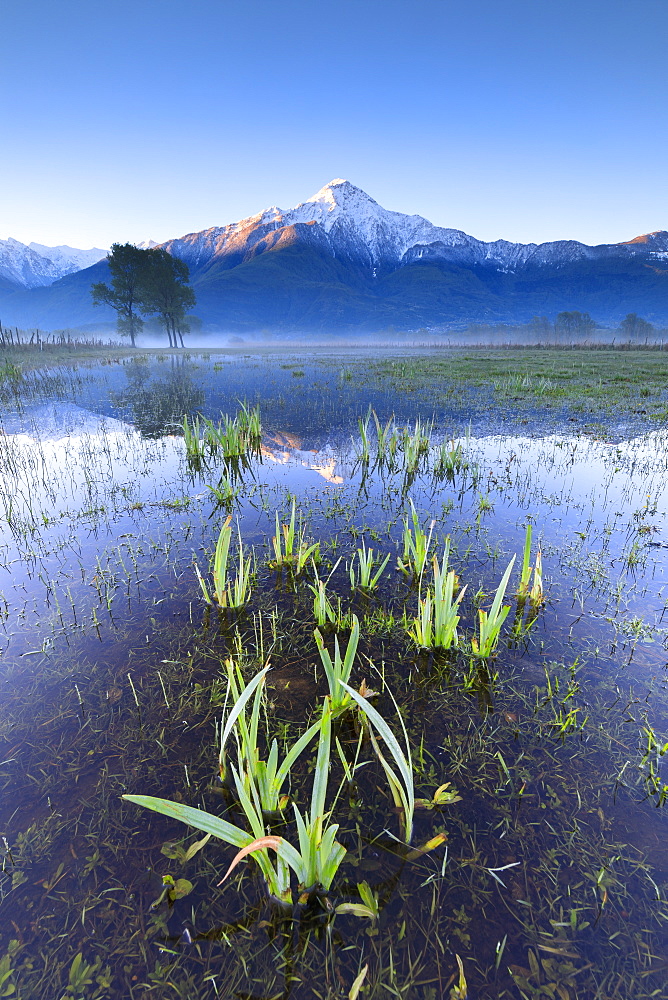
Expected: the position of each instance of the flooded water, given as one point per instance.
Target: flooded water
(552, 880)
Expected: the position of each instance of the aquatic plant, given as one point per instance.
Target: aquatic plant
(338, 670)
(325, 611)
(80, 976)
(536, 593)
(416, 543)
(233, 437)
(223, 492)
(415, 444)
(400, 781)
(449, 459)
(194, 440)
(250, 421)
(262, 779)
(525, 574)
(460, 990)
(276, 876)
(435, 626)
(443, 796)
(490, 622)
(363, 577)
(291, 548)
(651, 765)
(369, 907)
(323, 608)
(228, 592)
(7, 988)
(523, 590)
(363, 424)
(386, 439)
(318, 856)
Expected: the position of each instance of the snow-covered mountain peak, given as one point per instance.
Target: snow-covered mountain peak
(344, 221)
(33, 265)
(341, 193)
(336, 202)
(69, 257)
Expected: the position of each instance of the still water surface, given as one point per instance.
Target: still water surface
(552, 881)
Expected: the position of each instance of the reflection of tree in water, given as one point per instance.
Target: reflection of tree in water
(155, 406)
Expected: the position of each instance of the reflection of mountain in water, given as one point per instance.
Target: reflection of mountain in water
(57, 420)
(328, 460)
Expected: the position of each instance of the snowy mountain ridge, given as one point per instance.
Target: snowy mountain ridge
(32, 265)
(346, 222)
(339, 221)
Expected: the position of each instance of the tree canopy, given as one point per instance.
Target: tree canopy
(635, 326)
(126, 263)
(148, 282)
(579, 323)
(166, 292)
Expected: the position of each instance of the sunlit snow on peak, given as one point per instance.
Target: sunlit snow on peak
(339, 191)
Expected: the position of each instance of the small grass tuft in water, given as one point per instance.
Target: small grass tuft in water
(291, 549)
(490, 622)
(338, 670)
(229, 592)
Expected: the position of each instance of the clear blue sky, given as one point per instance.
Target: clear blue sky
(526, 119)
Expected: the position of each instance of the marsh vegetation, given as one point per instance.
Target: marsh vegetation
(345, 685)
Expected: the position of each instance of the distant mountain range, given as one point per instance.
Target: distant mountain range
(34, 265)
(339, 261)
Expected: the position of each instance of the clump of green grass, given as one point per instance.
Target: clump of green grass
(387, 441)
(339, 669)
(318, 856)
(364, 453)
(490, 622)
(262, 780)
(228, 591)
(535, 592)
(449, 459)
(232, 438)
(362, 570)
(415, 444)
(416, 545)
(291, 549)
(435, 626)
